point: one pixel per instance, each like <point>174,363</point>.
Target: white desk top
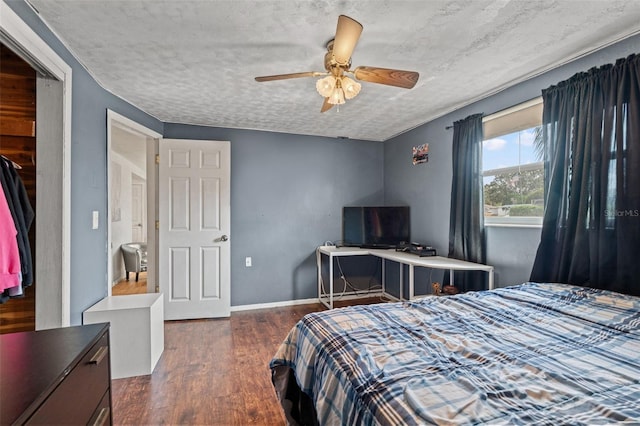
<point>343,251</point>
<point>438,262</point>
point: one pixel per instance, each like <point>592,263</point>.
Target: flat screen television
<point>384,227</point>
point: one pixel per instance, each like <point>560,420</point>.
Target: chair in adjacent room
<point>135,258</point>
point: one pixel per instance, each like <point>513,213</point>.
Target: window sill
<point>513,225</point>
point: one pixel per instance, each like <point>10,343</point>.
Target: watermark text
<point>622,213</point>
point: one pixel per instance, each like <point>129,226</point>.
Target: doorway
<point>132,211</point>
<point>53,168</point>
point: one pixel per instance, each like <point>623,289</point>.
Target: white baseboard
<point>117,280</point>
<point>345,296</point>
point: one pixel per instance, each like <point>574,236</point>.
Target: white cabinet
<point>137,331</point>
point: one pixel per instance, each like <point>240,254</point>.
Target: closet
<point>18,144</point>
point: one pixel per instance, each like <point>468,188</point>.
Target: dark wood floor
<point>212,372</point>
<point>19,314</point>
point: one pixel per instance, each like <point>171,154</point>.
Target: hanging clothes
<point>10,255</point>
<point>22,214</point>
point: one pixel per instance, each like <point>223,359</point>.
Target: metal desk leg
<point>451,277</point>
<point>491,279</point>
<point>330,282</point>
<point>401,279</point>
<point>411,288</point>
<point>384,285</point>
<point>319,265</point>
<point>322,294</point>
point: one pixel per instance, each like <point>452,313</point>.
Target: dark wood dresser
<point>58,376</point>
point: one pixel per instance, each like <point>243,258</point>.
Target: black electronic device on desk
<point>421,250</point>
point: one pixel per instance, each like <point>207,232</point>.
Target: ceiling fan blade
<point>398,78</point>
<point>287,76</point>
<point>326,106</point>
<point>347,35</point>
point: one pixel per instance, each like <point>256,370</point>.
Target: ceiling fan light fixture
<point>325,86</point>
<point>334,86</point>
<point>351,88</point>
<point>337,97</point>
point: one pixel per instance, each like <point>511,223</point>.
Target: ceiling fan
<point>336,86</point>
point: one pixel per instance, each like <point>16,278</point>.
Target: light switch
<point>247,262</point>
<point>96,218</point>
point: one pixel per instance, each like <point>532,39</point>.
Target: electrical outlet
<point>247,262</point>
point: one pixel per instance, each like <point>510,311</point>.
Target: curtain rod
<point>484,118</point>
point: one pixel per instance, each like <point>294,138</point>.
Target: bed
<point>533,353</point>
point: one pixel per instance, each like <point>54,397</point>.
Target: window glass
<point>513,177</point>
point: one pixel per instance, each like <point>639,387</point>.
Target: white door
<point>194,251</point>
<point>137,212</point>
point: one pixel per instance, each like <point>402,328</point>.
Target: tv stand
<point>411,260</point>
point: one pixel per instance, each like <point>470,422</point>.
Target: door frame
<point>118,120</point>
<point>56,289</point>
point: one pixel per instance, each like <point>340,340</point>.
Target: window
<point>513,170</point>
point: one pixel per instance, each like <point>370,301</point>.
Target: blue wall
<point>427,187</point>
<point>287,191</point>
<point>287,194</point>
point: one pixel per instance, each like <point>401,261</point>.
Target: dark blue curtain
<point>466,226</point>
<point>591,227</point>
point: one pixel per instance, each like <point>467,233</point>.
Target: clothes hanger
<point>13,163</point>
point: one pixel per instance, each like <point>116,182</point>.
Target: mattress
<point>534,353</point>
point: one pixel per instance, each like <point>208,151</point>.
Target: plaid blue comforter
<point>533,353</point>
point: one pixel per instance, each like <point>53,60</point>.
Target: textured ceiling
<point>194,62</point>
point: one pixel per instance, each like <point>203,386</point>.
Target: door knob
<point>223,238</point>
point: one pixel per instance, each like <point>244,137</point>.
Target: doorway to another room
<point>132,212</point>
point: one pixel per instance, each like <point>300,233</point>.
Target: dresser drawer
<point>102,415</point>
<point>77,397</point>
